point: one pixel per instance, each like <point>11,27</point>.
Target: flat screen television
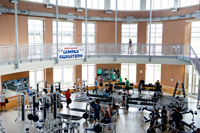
<point>108,74</point>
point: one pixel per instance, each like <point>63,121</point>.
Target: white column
<point>85,30</point>
<point>57,30</point>
<point>116,31</point>
<point>16,35</point>
<point>150,28</point>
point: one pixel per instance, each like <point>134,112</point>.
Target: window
<point>93,4</point>
<point>156,37</point>
<point>128,70</point>
<point>63,2</point>
<point>191,80</point>
<point>64,75</point>
<point>153,73</point>
<point>129,31</point>
<point>35,31</point>
<point>39,1</point>
<point>125,4</point>
<point>88,73</point>
<point>35,77</point>
<point>195,37</point>
<point>65,32</point>
<point>183,3</point>
<point>90,32</point>
<point>159,4</point>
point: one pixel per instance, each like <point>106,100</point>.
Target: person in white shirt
<point>2,101</point>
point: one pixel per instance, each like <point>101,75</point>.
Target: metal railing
<point>46,51</point>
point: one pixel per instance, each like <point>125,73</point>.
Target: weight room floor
<point>127,122</point>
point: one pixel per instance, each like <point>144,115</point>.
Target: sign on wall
<point>71,52</point>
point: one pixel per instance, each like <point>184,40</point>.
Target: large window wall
<point>64,2</point>
<point>35,31</point>
<point>91,31</point>
<point>191,80</point>
<point>129,31</point>
<point>88,73</point>
<point>153,73</point>
<point>125,5</point>
<point>159,4</point>
<point>64,75</point>
<point>65,32</point>
<point>156,37</point>
<point>195,36</point>
<point>128,70</point>
<point>36,76</point>
<point>93,4</point>
<point>183,3</point>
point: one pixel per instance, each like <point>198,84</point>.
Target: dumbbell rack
<point>148,102</point>
<point>183,89</point>
<point>102,98</point>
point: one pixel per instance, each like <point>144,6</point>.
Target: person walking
<point>130,46</point>
<point>68,94</point>
<point>95,85</point>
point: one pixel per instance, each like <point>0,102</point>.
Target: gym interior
<point>113,66</point>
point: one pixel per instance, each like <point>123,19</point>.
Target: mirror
<point>11,87</point>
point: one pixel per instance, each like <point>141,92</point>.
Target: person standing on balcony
<point>130,46</point>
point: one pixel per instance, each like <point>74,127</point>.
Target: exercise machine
<point>183,89</point>
<point>81,91</point>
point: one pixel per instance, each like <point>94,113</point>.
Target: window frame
<point>87,69</point>
<point>62,75</point>
<point>113,2</point>
<point>129,64</point>
<point>154,69</point>
<point>95,31</point>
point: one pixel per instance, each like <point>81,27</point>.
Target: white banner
<point>71,52</point>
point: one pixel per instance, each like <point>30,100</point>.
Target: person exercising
<point>116,106</point>
<point>95,85</point>
<point>177,117</point>
<point>96,109</point>
<point>120,79</point>
<point>2,101</point>
<point>100,82</point>
<point>154,116</point>
<point>142,82</point>
<point>127,85</point>
<point>108,113</point>
<point>68,94</point>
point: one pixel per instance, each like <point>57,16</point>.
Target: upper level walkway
<point>37,56</point>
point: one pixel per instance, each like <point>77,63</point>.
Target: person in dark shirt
<point>154,116</point>
<point>96,109</point>
<point>157,86</point>
<point>110,88</point>
<point>142,82</point>
<point>177,117</point>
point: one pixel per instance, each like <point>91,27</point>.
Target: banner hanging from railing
<point>71,52</point>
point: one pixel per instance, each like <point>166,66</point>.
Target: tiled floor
<point>127,122</point>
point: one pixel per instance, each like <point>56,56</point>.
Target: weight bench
<point>39,126</point>
<point>145,120</point>
<point>88,129</point>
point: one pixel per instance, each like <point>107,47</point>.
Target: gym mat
<point>77,109</point>
<point>66,116</point>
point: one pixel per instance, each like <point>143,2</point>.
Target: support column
<point>150,29</point>
<point>116,31</point>
<point>57,30</point>
<point>16,35</point>
<point>85,30</point>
